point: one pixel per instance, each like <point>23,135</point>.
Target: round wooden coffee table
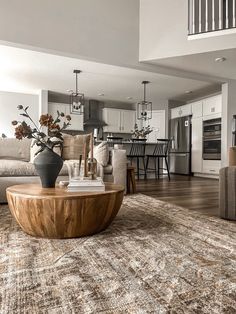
<point>56,213</point>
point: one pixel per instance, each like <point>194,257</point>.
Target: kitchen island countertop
<point>124,142</point>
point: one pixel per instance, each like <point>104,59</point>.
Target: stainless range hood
<point>93,115</point>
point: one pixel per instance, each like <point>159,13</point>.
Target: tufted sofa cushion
<point>11,148</point>
<point>19,168</point>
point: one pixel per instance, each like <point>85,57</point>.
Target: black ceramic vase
<point>48,165</point>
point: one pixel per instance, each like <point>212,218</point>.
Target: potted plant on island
<point>47,163</point>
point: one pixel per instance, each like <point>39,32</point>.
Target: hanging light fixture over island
<point>144,108</point>
<point>76,98</point>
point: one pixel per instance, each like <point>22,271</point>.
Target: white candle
<point>95,133</point>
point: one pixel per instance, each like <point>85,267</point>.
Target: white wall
<point>163,105</point>
<point>164,28</point>
<point>100,30</point>
<point>9,111</point>
<point>228,110</point>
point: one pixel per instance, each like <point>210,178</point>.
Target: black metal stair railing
<point>210,15</point>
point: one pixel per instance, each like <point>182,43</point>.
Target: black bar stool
<point>161,151</point>
<point>137,151</point>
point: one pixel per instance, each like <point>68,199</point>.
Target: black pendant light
<point>76,98</point>
<point>144,108</point>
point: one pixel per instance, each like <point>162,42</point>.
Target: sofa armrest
<point>119,165</point>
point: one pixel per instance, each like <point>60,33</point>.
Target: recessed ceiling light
<point>101,94</point>
<point>188,92</point>
<point>129,97</point>
<point>220,59</point>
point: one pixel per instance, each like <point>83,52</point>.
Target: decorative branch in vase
<point>47,163</point>
<point>24,130</point>
<point>141,133</point>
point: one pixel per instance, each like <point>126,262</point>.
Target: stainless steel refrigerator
<point>180,153</point>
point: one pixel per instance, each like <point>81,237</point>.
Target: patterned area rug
<point>154,258</point>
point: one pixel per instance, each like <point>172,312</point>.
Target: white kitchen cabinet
<point>212,105</point>
<point>181,111</point>
<point>77,121</point>
<point>197,145</point>
<point>118,120</point>
<point>196,109</point>
<point>175,113</point>
<point>112,118</point>
<point>186,110</point>
<point>205,109</point>
<point>212,116</point>
<point>128,118</point>
<point>211,166</point>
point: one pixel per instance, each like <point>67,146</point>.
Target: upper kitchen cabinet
<point>77,121</point>
<point>128,118</point>
<point>212,105</point>
<point>118,120</point>
<point>181,111</point>
<point>112,118</point>
<point>202,108</point>
<point>196,109</point>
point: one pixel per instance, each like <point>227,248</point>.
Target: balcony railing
<point>210,15</point>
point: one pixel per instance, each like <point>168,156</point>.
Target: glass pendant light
<point>76,98</point>
<point>144,108</point>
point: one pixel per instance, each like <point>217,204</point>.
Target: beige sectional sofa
<point>16,168</point>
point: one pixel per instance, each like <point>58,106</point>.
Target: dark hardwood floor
<point>189,192</point>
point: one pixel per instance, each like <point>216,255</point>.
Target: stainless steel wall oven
<point>212,139</point>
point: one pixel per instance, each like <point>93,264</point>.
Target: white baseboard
<point>206,175</point>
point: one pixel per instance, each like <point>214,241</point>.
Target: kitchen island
<point>126,145</point>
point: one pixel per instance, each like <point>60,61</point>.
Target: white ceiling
<point>29,71</point>
<point>204,63</point>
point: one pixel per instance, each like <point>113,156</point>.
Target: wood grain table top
<point>36,191</point>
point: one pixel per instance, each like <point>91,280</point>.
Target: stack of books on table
<point>86,185</point>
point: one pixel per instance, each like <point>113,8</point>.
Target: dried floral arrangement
<point>142,133</point>
<point>54,136</point>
